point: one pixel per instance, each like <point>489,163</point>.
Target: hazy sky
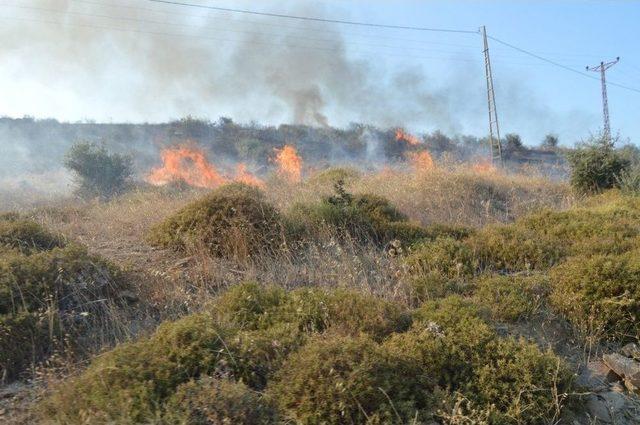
<point>136,60</point>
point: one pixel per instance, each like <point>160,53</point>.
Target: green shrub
<point>520,382</point>
<point>233,221</point>
<point>345,380</point>
<point>252,306</point>
<point>512,381</point>
<point>439,268</point>
<point>245,335</point>
<point>514,248</point>
<point>600,293</point>
<point>347,312</point>
<point>131,382</point>
<point>447,338</point>
<point>445,256</point>
<point>257,354</point>
<point>629,181</point>
<point>48,292</point>
<point>618,219</point>
<point>511,298</point>
<point>210,401</point>
<point>27,236</point>
<point>596,166</point>
<point>66,278</point>
<point>365,218</point>
<point>436,230</point>
<point>99,172</point>
<point>25,337</point>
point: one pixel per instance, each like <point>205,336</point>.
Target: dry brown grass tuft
<point>455,195</point>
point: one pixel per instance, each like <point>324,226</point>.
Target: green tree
<point>596,165</point>
<point>550,142</point>
<point>98,172</point>
<point>513,142</point>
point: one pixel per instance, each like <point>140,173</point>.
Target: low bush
<point>513,382</point>
<point>48,292</point>
<point>234,221</point>
<point>258,354</point>
<point>65,278</point>
<point>27,236</point>
<point>131,382</point>
<point>245,336</point>
<point>252,306</point>
<point>445,256</point>
<point>208,401</point>
<point>511,298</point>
<point>342,380</point>
<point>365,218</point>
<point>25,337</point>
<point>600,293</point>
<point>629,181</point>
<point>438,268</point>
<point>512,248</point>
<point>519,384</point>
<point>607,224</point>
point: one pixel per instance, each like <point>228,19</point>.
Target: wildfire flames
<point>190,164</point>
<point>484,167</point>
<point>421,161</point>
<point>409,138</point>
<point>244,176</point>
<point>289,163</point>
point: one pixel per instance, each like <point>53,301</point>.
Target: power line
<point>330,50</point>
<point>328,44</point>
<point>314,19</point>
<point>369,24</point>
<point>526,52</point>
<point>278,25</point>
<point>233,30</point>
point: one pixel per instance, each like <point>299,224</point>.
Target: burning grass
<point>189,164</point>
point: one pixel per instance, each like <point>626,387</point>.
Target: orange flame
<point>484,167</point>
<point>190,164</point>
<point>244,176</point>
<point>421,161</point>
<point>187,164</point>
<point>289,163</point>
<point>402,135</point>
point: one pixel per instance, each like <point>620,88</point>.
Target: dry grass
<point>172,284</point>
<point>456,195</point>
<point>169,285</point>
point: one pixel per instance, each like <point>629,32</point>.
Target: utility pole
<point>605,103</point>
<point>494,127</point>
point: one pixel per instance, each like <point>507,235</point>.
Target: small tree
<point>99,173</point>
<point>550,142</point>
<point>596,166</point>
<point>513,142</point>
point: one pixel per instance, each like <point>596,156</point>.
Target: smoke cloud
<point>156,62</point>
